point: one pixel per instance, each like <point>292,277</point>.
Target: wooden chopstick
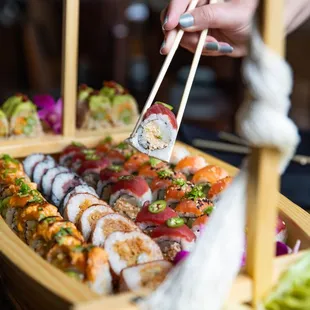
<point>239,149</point>
<point>163,71</point>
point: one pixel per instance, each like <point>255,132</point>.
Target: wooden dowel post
<point>264,179</point>
<point>70,65</point>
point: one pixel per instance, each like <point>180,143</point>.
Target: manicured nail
<point>165,22</point>
<point>186,20</point>
<point>226,49</point>
<point>212,46</point>
<point>162,46</point>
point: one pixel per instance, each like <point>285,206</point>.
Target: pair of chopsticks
<point>166,65</point>
<point>239,146</point>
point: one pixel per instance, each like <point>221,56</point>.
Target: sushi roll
<point>98,115</point>
<point>10,104</point>
<point>163,180</point>
<point>153,215</point>
<point>189,165</point>
<point>90,217</point>
<point>178,153</point>
<point>82,103</point>
<point>79,157</point>
<point>135,162</point>
<point>173,236</point>
<point>104,145</point>
<point>129,249</point>
<point>77,204</point>
<point>10,170</point>
<point>109,224</point>
<point>177,191</point>
<point>218,187</point>
<point>41,168</point>
<point>62,184</point>
<point>31,161</point>
<point>112,89</point>
<point>120,153</point>
<point>144,276</point>
<point>129,194</point>
<point>84,188</point>
<point>48,178</point>
<point>198,225</point>
<point>157,132</point>
<point>68,153</point>
<point>150,169</point>
<point>209,175</point>
<point>109,176</point>
<point>4,126</point>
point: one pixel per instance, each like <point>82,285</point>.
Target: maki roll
<point>144,276</point>
<point>104,145</point>
<point>209,175</point>
<point>135,162</point>
<point>120,153</point>
<point>198,225</point>
<point>109,224</point>
<point>77,204</point>
<point>150,169</point>
<point>31,161</point>
<point>190,165</point>
<point>177,191</point>
<point>129,249</point>
<point>218,187</point>
<point>129,194</point>
<point>111,89</point>
<point>91,216</point>
<point>79,157</point>
<point>173,236</point>
<point>41,168</point>
<point>4,126</point>
<point>153,215</point>
<point>10,170</point>
<point>178,153</point>
<point>48,178</point>
<point>157,132</point>
<point>82,103</point>
<point>109,176</point>
<point>68,153</point>
<point>62,184</point>
<point>98,115</point>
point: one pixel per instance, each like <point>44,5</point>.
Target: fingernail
<point>165,22</point>
<point>162,46</point>
<point>212,46</point>
<point>226,49</point>
<point>186,20</point>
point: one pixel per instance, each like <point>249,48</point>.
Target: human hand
<point>229,25</point>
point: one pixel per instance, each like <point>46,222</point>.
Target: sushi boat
<point>131,213</point>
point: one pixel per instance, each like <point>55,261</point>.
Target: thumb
<point>228,15</point>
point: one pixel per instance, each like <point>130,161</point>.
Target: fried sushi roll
<point>144,276</point>
<point>41,168</point>
<point>129,194</point>
<point>90,217</point>
<point>173,237</point>
<point>157,132</point>
<point>109,224</point>
<point>129,249</point>
<point>189,165</point>
<point>4,126</point>
<point>177,191</point>
<point>77,204</point>
<point>153,215</point>
<point>209,175</point>
<point>108,177</point>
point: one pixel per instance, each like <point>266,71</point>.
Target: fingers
<point>168,42</point>
<point>228,15</point>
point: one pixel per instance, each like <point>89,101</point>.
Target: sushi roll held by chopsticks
<point>156,134</point>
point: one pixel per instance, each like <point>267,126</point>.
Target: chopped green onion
<point>195,193</point>
<point>175,222</point>
<point>208,210</point>
<point>78,144</point>
<point>179,182</point>
<point>115,168</point>
<point>165,173</point>
<point>154,162</point>
<point>157,206</point>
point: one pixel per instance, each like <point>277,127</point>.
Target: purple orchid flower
<point>50,111</point>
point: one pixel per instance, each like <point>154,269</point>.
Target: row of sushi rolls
<point>110,216</point>
<point>111,106</point>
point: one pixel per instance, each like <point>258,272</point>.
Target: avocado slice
<point>99,106</point>
<point>11,103</point>
<point>111,89</point>
<point>128,112</point>
<point>4,127</point>
<point>84,92</point>
<point>27,106</point>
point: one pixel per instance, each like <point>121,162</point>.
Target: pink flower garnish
<point>180,256</point>
<point>50,111</point>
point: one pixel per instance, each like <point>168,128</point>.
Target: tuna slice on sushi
<point>90,218</point>
<point>157,132</point>
<point>129,249</point>
<point>77,204</point>
<point>173,236</point>
<point>109,224</point>
<point>144,276</point>
<point>68,153</point>
<point>153,215</point>
<point>129,194</point>
<point>41,168</point>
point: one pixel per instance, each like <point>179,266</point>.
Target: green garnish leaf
<point>125,177</point>
<point>122,146</point>
<point>165,105</point>
<point>165,173</point>
<point>92,157</point>
<point>208,210</point>
<point>88,152</point>
<point>179,182</point>
<point>154,162</point>
<point>78,144</point>
<point>115,168</point>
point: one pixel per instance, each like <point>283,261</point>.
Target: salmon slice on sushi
<point>157,132</point>
<point>199,224</point>
<point>150,169</point>
<point>77,204</point>
<point>153,215</point>
<point>109,176</point>
<point>173,236</point>
<point>189,165</point>
<point>219,187</point>
<point>91,216</point>
<point>129,194</point>
<point>144,276</point>
<point>120,153</point>
<point>109,224</point>
<point>41,168</point>
<point>129,249</point>
<point>209,175</point>
<point>134,163</point>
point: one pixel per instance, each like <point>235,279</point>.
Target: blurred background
<point>120,40</point>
